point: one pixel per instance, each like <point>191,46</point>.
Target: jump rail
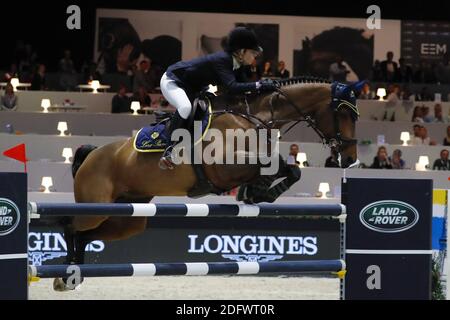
<point>189,269</point>
<point>36,210</point>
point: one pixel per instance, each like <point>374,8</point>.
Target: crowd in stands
<point>144,79</point>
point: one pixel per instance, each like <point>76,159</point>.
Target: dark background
<point>43,23</point>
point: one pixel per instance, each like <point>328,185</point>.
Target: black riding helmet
<point>242,38</point>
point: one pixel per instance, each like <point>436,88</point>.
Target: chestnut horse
<point>118,173</point>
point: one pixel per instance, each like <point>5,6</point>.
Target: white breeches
<point>176,96</point>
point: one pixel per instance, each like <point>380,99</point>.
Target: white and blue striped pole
<point>187,269</point>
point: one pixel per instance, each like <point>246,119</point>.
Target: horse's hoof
<point>60,285</point>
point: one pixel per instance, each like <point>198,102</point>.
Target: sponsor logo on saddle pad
<point>253,248</point>
<point>9,216</point>
<point>389,216</point>
<point>43,246</point>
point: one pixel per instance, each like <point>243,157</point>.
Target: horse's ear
<point>357,86</point>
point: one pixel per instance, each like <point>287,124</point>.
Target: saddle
<point>154,138</point>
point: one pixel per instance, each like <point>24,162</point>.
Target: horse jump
<point>378,258</point>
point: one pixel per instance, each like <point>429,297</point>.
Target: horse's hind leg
<point>75,225</point>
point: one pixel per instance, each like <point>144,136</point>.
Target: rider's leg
<point>178,98</point>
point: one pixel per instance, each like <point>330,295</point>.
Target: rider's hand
<point>267,85</point>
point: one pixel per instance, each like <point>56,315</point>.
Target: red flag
<point>18,153</point>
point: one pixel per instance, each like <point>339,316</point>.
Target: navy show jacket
<point>215,69</point>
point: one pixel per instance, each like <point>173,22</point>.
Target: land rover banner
<point>390,224</point>
<point>13,225</point>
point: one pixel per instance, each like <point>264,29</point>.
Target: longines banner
<point>424,40</point>
<point>201,239</point>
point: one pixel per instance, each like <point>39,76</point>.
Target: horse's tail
<point>80,155</point>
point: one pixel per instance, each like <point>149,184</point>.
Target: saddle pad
<point>154,138</point>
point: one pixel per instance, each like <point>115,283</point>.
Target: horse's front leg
<point>261,190</point>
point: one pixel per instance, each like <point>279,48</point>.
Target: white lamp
<point>14,82</point>
<point>324,187</point>
<point>301,157</point>
<point>423,163</point>
<point>135,106</point>
<point>47,182</point>
<point>45,104</point>
<point>67,153</point>
<point>405,137</point>
<point>62,127</point>
<point>381,92</point>
<point>95,84</point>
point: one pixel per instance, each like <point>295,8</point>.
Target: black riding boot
<point>177,122</point>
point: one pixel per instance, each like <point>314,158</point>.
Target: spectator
<point>389,68</point>
<point>447,138</point>
<point>9,100</point>
<point>142,96</point>
<point>68,78</point>
<point>442,163</point>
<point>404,71</point>
<point>66,64</point>
<point>424,74</point>
<point>366,93</point>
<point>417,138</point>
<point>145,77</point>
<point>438,116</point>
<point>397,162</point>
<point>405,94</point>
<point>338,70</point>
<point>417,115</point>
<point>121,102</point>
<point>394,93</point>
<point>39,79</point>
<point>376,71</point>
<point>381,161</point>
<point>426,114</point>
<point>12,73</point>
<point>253,73</point>
<point>332,161</point>
<point>422,138</point>
<point>90,72</point>
<point>292,157</point>
<point>282,72</point>
<point>424,95</point>
<point>27,63</point>
<point>267,70</point>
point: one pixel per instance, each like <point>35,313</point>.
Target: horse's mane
<point>302,79</point>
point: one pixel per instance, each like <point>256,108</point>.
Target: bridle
<point>336,142</point>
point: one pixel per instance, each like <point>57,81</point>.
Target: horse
<point>118,173</point>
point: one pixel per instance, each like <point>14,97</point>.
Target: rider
<point>186,78</point>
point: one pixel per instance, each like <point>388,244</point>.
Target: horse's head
<point>337,121</point>
<point>330,109</point>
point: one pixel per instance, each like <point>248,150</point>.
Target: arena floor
<point>196,288</point>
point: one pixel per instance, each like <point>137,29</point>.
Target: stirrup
<point>165,162</point>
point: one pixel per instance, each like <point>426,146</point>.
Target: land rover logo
<point>9,216</point>
<point>389,216</point>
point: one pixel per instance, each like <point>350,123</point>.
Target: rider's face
<point>248,56</point>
